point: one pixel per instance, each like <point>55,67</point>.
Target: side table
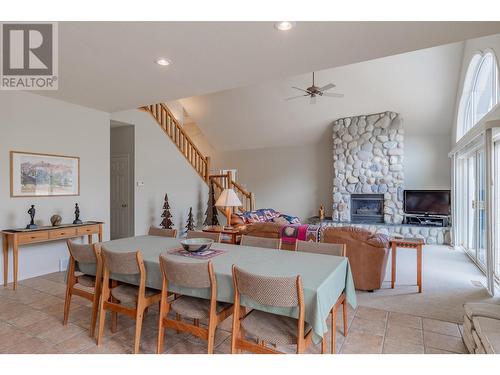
<point>411,243</point>
<point>233,233</point>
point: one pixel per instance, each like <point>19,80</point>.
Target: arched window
<point>480,92</point>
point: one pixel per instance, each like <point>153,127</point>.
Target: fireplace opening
<point>367,208</point>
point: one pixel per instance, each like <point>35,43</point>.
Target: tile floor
<point>31,322</point>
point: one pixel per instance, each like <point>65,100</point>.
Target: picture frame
<point>43,175</point>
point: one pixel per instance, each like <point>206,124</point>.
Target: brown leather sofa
<point>367,254</point>
<point>267,230</point>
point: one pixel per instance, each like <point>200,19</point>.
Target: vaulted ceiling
<point>420,85</point>
<point>111,65</point>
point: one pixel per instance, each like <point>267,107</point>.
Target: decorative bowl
<point>196,244</point>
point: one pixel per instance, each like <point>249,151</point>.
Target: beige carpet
<point>449,280</point>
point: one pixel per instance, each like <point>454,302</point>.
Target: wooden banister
<point>193,155</point>
<point>181,139</point>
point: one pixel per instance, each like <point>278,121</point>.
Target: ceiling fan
<point>315,91</point>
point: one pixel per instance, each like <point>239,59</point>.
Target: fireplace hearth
<point>367,208</point>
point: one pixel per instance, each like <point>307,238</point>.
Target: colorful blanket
<point>304,232</point>
<point>265,215</point>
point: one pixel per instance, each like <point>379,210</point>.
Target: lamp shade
<point>228,198</point>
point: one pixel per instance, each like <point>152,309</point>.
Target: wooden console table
<point>16,237</point>
<point>412,243</point>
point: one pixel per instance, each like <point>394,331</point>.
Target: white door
<point>120,197</point>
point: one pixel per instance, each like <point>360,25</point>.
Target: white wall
<point>472,47</point>
<point>162,169</point>
<point>426,162</point>
<point>295,180</point>
<point>33,123</point>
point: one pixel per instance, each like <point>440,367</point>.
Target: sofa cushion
<point>487,310</point>
<point>469,341</point>
<point>488,331</point>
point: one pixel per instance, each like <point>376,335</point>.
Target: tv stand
<point>427,220</point>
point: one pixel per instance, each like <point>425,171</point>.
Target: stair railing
<point>177,134</point>
<point>193,155</point>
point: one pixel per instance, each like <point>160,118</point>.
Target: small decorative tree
<point>211,218</point>
<point>190,221</point>
<point>166,223</point>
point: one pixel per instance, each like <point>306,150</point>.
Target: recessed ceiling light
<point>284,25</point>
<point>163,61</point>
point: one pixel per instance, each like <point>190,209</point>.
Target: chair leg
<point>178,317</point>
<point>323,345</point>
<point>211,337</point>
<point>67,303</point>
<point>95,308</point>
<point>138,327</point>
<point>344,316</point>
<point>114,321</point>
<point>334,330</point>
<point>102,321</point>
<point>161,337</point>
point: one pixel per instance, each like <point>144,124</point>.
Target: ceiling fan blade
<point>296,97</point>
<point>327,87</point>
<point>297,88</point>
<point>333,95</point>
<point>313,100</point>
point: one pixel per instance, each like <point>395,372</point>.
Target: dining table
<point>324,277</point>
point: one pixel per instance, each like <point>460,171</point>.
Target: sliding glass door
<point>496,215</point>
<point>471,210</point>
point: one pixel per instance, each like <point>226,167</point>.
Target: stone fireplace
<point>368,153</point>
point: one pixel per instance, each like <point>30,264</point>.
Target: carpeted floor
<point>449,280</point>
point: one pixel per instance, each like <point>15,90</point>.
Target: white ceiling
<point>110,65</point>
<point>420,85</point>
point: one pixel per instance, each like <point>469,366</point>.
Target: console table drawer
<point>62,233</point>
<point>33,237</point>
<point>89,229</point>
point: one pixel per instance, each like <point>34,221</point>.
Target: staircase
<point>193,155</point>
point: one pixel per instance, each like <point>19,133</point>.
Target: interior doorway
<point>122,179</point>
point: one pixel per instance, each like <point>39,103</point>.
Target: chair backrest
<point>125,263</point>
<point>184,274</point>
<point>155,231</point>
<point>337,249</point>
<point>199,234</point>
<point>82,253</point>
<point>271,291</point>
<point>268,243</point>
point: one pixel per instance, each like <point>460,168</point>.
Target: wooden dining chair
<point>127,299</point>
<point>335,250</point>
<point>155,231</point>
<point>80,284</point>
<point>279,292</point>
<point>196,276</point>
<point>199,234</point>
<point>268,243</point>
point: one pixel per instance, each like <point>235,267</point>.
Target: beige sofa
<point>482,328</point>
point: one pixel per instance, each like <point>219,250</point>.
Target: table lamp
<point>228,199</point>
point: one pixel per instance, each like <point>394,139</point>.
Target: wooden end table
<point>410,243</point>
<point>234,233</point>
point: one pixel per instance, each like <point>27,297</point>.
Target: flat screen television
<point>427,202</point>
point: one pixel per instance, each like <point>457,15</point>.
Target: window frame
<point>466,116</point>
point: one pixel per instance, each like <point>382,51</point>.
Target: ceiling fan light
<point>284,25</point>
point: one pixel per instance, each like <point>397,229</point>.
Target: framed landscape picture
<point>39,175</point>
